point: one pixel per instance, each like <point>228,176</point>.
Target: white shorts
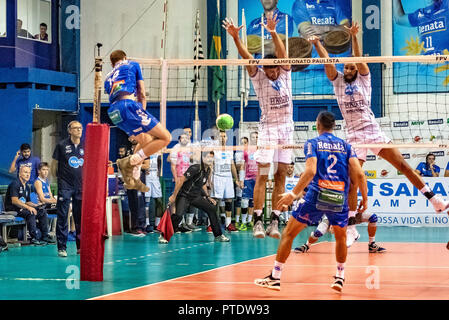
<point>367,136</point>
<point>223,188</point>
<point>155,189</point>
<point>274,136</point>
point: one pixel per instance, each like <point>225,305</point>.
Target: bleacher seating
<point>9,219</point>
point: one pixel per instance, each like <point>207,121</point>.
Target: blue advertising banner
<point>420,27</point>
<point>302,18</point>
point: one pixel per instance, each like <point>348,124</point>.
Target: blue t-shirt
<point>123,79</point>
<point>425,170</point>
<point>33,163</point>
<point>70,165</point>
<point>432,23</point>
<point>327,12</point>
<point>332,171</point>
<point>255,28</point>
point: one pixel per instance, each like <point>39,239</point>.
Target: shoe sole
<point>267,287</point>
<point>275,236</point>
<point>383,251</point>
<point>337,287</point>
<point>259,235</point>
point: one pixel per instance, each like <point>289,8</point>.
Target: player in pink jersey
<point>273,86</point>
<point>353,91</point>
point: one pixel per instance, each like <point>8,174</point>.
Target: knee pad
<point>317,234</point>
<point>238,202</point>
<point>228,206</point>
<point>221,203</point>
<point>245,203</point>
<point>373,218</point>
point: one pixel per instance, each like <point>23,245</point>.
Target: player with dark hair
<point>331,165</point>
<point>353,91</point>
<point>190,191</point>
<point>123,84</point>
<point>273,86</point>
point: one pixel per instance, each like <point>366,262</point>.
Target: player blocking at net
<point>353,92</point>
<point>273,86</point>
<point>331,170</point>
<point>124,84</point>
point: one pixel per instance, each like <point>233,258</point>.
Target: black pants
<point>182,203</point>
<point>65,197</point>
<point>136,201</point>
<point>42,222</point>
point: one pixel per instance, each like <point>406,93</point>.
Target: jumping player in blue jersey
<point>124,84</point>
<point>316,17</point>
<point>431,22</point>
<point>331,169</point>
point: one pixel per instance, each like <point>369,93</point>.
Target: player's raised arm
<point>233,31</point>
<point>280,51</point>
<point>354,30</point>
<point>399,15</point>
<point>330,69</point>
<point>358,179</point>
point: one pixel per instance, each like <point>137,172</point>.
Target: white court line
<point>35,279</point>
<point>348,267</point>
<point>188,275</point>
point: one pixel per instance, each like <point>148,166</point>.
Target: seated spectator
<point>42,186</point>
<point>23,158</point>
<point>18,199</point>
<point>43,36</point>
<point>428,168</point>
<point>22,32</point>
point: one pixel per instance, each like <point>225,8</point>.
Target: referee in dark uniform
<point>67,166</point>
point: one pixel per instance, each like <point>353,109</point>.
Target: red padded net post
<point>94,201</point>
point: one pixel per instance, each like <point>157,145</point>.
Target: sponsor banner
<point>413,220</point>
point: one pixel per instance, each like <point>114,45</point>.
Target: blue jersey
<point>326,12</point>
<point>123,79</point>
<point>255,27</point>
<point>425,171</point>
<point>45,188</point>
<point>432,23</point>
<point>332,172</point>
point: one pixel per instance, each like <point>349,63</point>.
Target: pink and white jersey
<point>182,162</point>
<point>251,165</point>
<point>354,100</point>
<point>275,97</point>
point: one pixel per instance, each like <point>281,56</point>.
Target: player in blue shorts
<point>331,166</point>
<point>431,23</point>
<point>125,85</point>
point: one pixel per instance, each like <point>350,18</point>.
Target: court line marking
<point>188,275</point>
<point>349,266</point>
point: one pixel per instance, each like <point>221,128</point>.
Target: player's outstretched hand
<point>353,29</point>
<point>313,39</point>
<point>231,28</point>
<point>286,200</point>
<point>271,22</point>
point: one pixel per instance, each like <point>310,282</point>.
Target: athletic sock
<point>258,212</point>
<point>371,239</point>
<point>427,192</point>
<point>277,270</point>
<point>340,270</point>
<point>237,218</point>
<point>228,221</point>
<point>249,218</point>
<point>277,212</point>
<point>156,222</point>
<point>244,217</point>
<point>190,218</point>
<point>137,158</point>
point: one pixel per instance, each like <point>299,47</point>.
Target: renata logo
<point>301,128</point>
<point>370,158</point>
<point>434,26</point>
<point>400,124</point>
<point>435,121</point>
<point>406,156</point>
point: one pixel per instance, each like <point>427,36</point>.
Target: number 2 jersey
<point>123,79</point>
<point>332,170</point>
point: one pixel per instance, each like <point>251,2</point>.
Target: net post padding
<point>93,212</point>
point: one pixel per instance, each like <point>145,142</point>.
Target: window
<point>34,19</point>
<point>2,18</point>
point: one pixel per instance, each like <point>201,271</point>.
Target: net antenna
<point>98,84</point>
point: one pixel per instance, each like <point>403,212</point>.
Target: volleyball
<point>225,122</point>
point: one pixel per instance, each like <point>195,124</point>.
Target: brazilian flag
<point>218,80</point>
